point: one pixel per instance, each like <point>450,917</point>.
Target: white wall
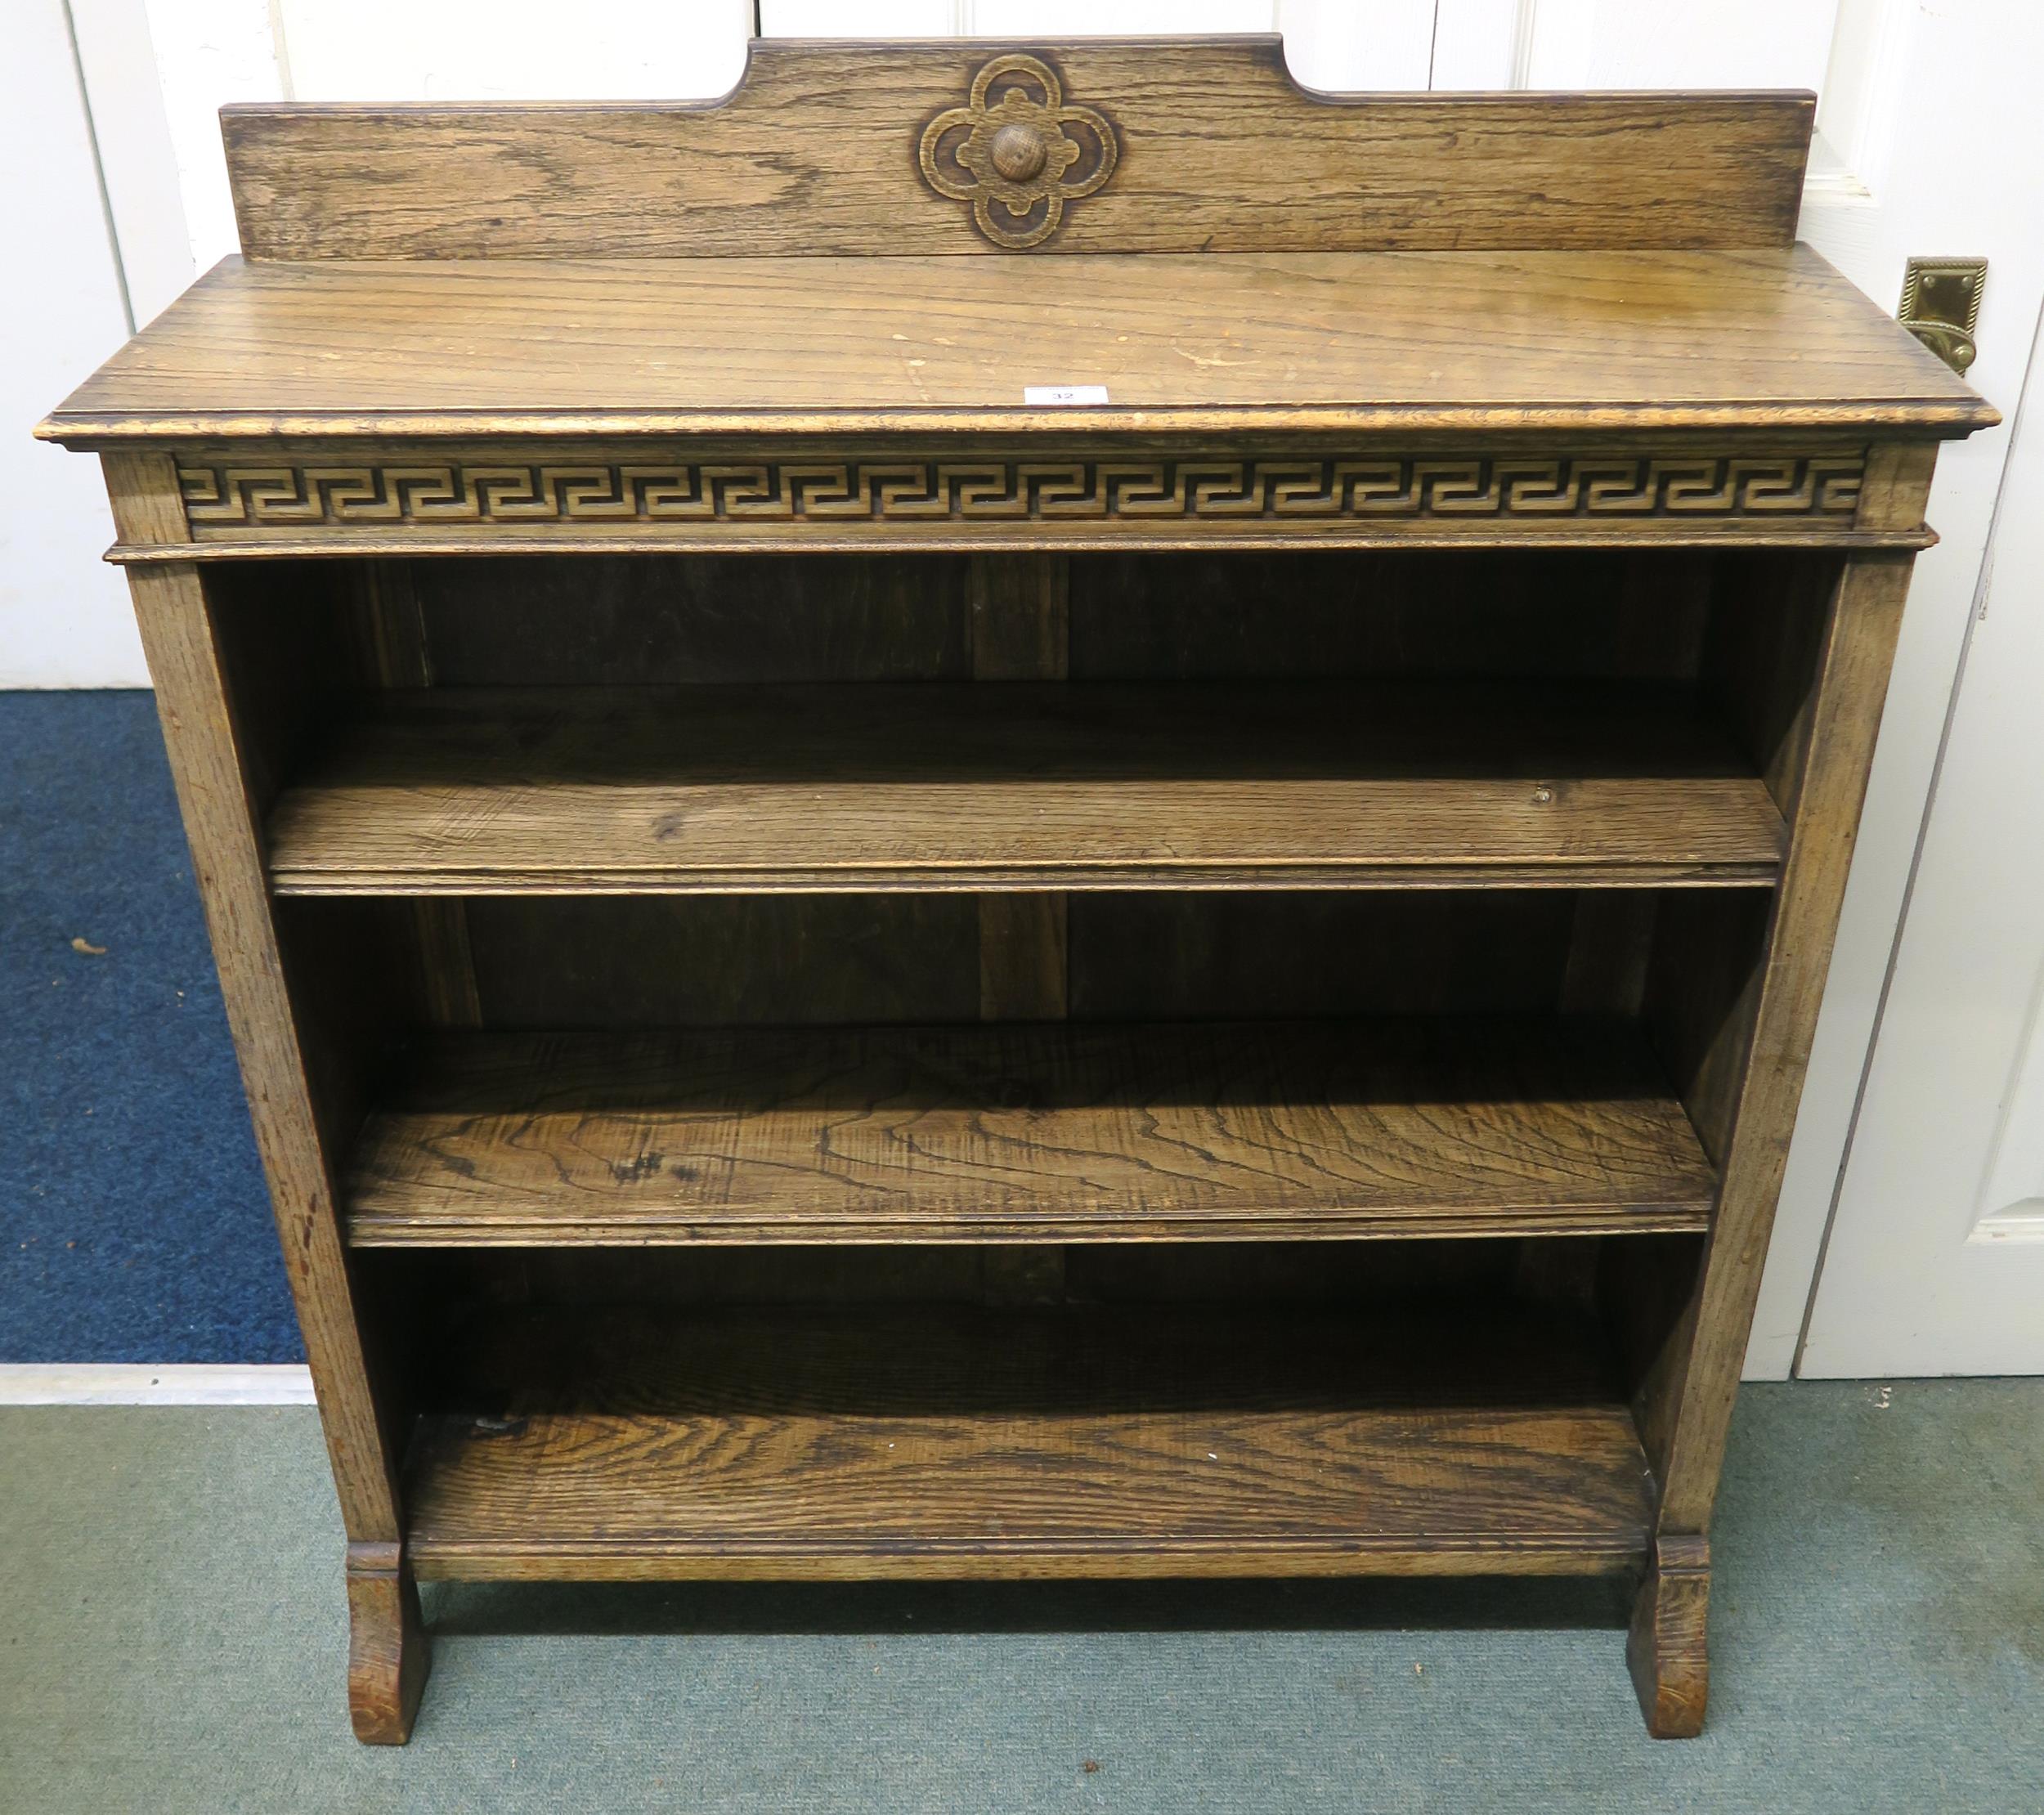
<point>168,66</point>
<point>64,620</point>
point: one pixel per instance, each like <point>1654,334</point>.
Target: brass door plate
<point>1941,306</point>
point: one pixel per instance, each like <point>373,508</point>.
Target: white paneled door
<point>1339,44</point>
<point>1897,1186</point>
<point>1934,1262</point>
<point>1911,1234</point>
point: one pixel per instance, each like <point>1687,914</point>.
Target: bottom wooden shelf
<point>933,1442</point>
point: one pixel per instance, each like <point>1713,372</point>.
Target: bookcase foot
<point>1671,1671</point>
<point>387,1658</point>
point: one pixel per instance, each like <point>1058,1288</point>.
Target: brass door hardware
<point>1941,306</point>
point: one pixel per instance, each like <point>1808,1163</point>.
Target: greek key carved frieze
<point>976,490</point>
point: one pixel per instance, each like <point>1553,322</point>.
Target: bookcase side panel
<point>209,767</point>
<point>1696,1395</point>
<point>1834,749</point>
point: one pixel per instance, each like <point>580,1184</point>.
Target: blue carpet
<point>135,1225</point>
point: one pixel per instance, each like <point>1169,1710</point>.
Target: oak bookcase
<point>1022,813</point>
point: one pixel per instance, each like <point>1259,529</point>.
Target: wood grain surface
<point>1216,1131</point>
<point>1252,343</point>
<point>634,621</point>
<point>396,653</point>
<point>928,1443</point>
<point>650,963</point>
<point>1018,612</point>
<point>212,767</point>
<point>388,1659</point>
<point>816,152</point>
<point>1026,784</point>
<point>1865,618</point>
<point>1667,1647</point>
<point>1485,614</point>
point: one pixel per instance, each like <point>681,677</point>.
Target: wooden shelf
<point>1474,341</point>
<point>1025,785</point>
<point>804,1444</point>
<point>1071,1132</point>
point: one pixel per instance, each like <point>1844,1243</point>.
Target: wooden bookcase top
<point>1175,222</point>
<point>1405,342</point>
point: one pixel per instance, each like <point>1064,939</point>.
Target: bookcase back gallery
<point>1022,813</point>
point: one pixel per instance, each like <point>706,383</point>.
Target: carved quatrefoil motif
<point>1010,151</point>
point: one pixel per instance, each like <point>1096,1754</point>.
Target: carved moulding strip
<point>225,498</point>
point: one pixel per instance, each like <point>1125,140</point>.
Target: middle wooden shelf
<point>1449,1125</point>
<point>1080,785</point>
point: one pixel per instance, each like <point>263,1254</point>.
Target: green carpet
<point>171,1638</point>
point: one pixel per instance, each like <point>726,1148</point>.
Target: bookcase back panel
<point>1125,146</point>
<point>651,961</point>
<point>1142,957</point>
<point>1489,613</point>
<point>1404,1276</point>
<point>676,620</point>
<point>655,960</point>
<point>627,620</point>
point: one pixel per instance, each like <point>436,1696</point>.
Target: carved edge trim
<point>1283,491</point>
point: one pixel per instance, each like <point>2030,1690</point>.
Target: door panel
<point>1932,145</point>
<point>1935,1261</point>
<point>1334,44</point>
<point>861,18</point>
<point>1656,44</point>
<point>510,49</point>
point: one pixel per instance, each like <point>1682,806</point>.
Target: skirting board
<point>58,1383</point>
